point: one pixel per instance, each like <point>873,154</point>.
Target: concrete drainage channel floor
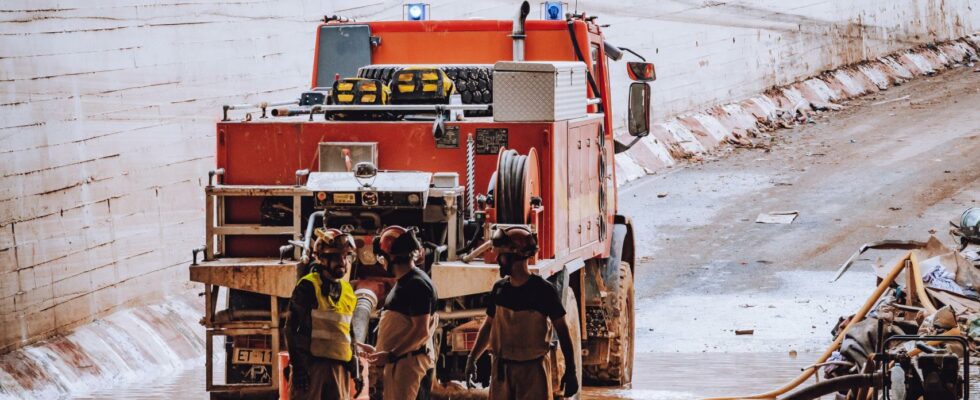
<point>870,172</point>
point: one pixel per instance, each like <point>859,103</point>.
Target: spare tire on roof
<point>473,82</point>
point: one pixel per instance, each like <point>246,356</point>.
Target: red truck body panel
<point>269,153</point>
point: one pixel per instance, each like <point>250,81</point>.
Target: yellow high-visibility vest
<point>330,337</point>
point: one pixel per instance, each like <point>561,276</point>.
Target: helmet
<point>515,240</point>
<point>395,241</point>
<point>332,241</point>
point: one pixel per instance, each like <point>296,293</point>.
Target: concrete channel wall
<point>107,112</point>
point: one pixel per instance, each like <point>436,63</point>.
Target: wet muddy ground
<point>872,171</point>
<point>869,172</point>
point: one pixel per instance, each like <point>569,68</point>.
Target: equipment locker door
<point>576,184</point>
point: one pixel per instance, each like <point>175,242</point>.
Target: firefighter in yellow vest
<point>408,320</point>
<point>318,331</point>
<point>522,309</point>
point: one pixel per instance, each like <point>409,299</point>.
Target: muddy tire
<point>575,331</point>
<point>619,370</point>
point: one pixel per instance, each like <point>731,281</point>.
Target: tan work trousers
<point>525,380</point>
<point>403,379</point>
<point>329,380</point>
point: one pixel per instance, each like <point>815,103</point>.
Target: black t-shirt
<point>536,294</point>
<point>413,295</point>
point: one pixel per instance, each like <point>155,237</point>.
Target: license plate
<point>344,198</point>
<point>251,356</point>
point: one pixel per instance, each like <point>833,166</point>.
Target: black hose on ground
<point>834,385</point>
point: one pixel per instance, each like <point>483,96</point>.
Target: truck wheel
<point>619,370</point>
<point>575,331</point>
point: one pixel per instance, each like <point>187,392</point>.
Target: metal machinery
<point>904,367</point>
<point>370,146</point>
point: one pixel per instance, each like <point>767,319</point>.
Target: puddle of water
<point>186,384</point>
<point>660,376</point>
<point>668,376</point>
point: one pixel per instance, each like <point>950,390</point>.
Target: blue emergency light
<point>416,11</point>
<point>553,11</point>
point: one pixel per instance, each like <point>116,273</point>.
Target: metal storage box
<point>538,91</point>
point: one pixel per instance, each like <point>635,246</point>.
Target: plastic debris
<point>973,328</point>
<point>777,217</point>
<point>938,277</point>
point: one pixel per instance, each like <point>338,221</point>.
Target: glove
<point>470,372</point>
<point>569,381</point>
<point>358,386</point>
<point>300,380</point>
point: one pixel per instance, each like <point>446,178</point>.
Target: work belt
<point>503,363</point>
<point>393,360</point>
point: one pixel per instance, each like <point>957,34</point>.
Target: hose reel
<point>516,184</point>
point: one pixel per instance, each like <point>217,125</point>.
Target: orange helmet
<point>396,241</point>
<point>333,241</point>
<point>515,240</point>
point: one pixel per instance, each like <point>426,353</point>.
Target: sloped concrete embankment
<point>137,343</point>
<point>691,135</point>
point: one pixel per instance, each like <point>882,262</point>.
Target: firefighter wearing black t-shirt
<point>521,310</point>
<point>408,319</point>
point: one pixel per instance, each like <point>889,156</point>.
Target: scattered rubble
<point>777,217</point>
<point>917,325</point>
<point>906,97</point>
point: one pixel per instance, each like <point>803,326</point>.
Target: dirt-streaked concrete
<point>869,172</point>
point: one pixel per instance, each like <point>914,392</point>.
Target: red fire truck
<point>457,128</point>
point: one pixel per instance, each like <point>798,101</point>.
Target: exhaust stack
<point>518,32</point>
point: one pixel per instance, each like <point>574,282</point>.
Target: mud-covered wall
<point>107,112</point>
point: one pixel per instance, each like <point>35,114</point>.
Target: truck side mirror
<point>639,109</point>
<point>641,71</point>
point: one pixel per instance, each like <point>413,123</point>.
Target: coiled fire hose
<point>862,312</point>
<point>509,196</point>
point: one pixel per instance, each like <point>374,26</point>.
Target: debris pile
<point>930,291</point>
<point>914,336</point>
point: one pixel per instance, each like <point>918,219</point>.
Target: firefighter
<point>521,310</point>
<point>318,330</point>
<point>408,320</point>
